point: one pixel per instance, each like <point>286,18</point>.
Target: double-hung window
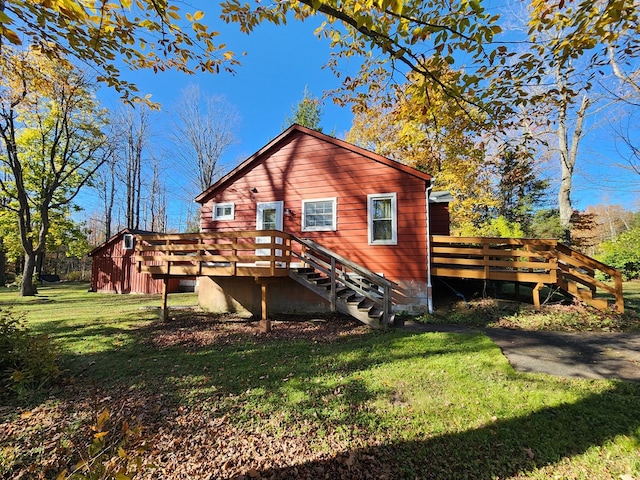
<point>319,215</point>
<point>383,219</point>
<point>223,211</point>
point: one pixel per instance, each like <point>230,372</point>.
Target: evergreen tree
<point>519,190</point>
<point>307,112</point>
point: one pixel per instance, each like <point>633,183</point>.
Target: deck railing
<point>342,273</point>
<point>534,261</point>
<point>264,253</point>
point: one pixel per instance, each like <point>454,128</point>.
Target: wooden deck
<point>530,261</point>
<point>268,253</point>
<point>265,253</point>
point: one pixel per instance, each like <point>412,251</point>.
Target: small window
<point>383,223</point>
<point>319,215</point>
<point>223,211</point>
<point>128,241</point>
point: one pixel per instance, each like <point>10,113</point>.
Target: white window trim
<point>394,218</point>
<point>223,205</point>
<point>128,241</point>
<point>279,208</point>
<point>334,219</point>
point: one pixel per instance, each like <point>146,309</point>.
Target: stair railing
<point>342,272</point>
<point>579,268</point>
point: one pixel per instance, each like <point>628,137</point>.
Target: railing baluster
<point>333,285</point>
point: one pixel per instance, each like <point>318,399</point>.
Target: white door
<point>269,216</point>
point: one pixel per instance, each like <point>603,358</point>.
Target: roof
<point>440,197</point>
<point>294,129</point>
<point>117,236</point>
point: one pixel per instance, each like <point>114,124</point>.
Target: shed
<point>113,268</point>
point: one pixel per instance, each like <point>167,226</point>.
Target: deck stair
<point>537,262</point>
<point>348,287</point>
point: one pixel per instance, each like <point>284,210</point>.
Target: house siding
<point>303,167</point>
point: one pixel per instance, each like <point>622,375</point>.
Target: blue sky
<point>282,60</point>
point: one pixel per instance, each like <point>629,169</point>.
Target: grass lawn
<point>203,396</point>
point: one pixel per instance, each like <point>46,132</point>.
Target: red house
<point>113,268</point>
<point>367,208</point>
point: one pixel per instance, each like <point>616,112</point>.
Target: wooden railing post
<point>166,253</point>
<point>333,285</point>
<point>273,251</point>
<point>618,294</point>
<point>234,254</point>
<point>485,258</point>
<point>386,300</point>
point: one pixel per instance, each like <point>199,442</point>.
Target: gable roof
<point>292,130</point>
<point>116,237</point>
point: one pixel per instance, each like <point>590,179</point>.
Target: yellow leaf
<point>62,475</point>
<point>100,435</point>
<point>198,15</point>
<point>103,417</point>
<point>26,414</point>
<point>4,18</point>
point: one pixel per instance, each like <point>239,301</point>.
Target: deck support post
<point>164,313</point>
<point>536,296</point>
<point>265,323</point>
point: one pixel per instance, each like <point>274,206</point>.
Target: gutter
<point>429,285</point>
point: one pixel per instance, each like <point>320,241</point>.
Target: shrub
<point>27,361</point>
<point>623,253</point>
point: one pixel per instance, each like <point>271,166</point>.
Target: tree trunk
<point>28,288</point>
<point>568,151</point>
<point>3,264</point>
<point>40,263</point>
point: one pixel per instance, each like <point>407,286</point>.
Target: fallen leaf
<point>253,473</point>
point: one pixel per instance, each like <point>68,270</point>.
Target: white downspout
<point>429,286</point>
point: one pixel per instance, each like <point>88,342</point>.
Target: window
<point>381,209</point>
<point>319,215</point>
<point>223,211</point>
<point>128,241</point>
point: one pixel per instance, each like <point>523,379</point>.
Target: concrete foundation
<point>243,295</point>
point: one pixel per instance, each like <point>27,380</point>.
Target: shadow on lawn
<point>499,450</point>
<point>238,367</point>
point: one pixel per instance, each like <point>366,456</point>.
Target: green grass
<point>345,402</point>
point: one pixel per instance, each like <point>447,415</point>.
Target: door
<point>269,216</point>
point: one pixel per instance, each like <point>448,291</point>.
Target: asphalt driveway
<point>578,355</point>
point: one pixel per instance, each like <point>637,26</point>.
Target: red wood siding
<point>114,271</point>
<point>440,224</point>
<point>304,167</point>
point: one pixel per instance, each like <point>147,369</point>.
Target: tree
<point>203,133</point>
<point>157,202</point>
<point>105,186</point>
<point>308,112</point>
<point>51,130</point>
<point>519,190</point>
<point>152,34</point>
<point>394,36</point>
<point>130,134</point>
<point>437,138</point>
